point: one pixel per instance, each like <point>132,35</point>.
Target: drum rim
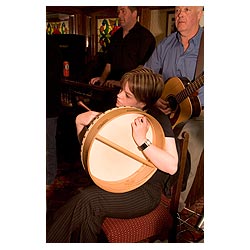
<point>144,172</point>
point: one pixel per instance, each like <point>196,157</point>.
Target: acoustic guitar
<point>182,99</point>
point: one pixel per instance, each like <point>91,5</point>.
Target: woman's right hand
<point>85,119</point>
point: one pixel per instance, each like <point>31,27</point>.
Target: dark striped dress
<point>83,215</point>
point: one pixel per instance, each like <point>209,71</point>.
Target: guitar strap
<point>198,71</point>
<point>200,59</point>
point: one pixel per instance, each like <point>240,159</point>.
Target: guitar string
<point>190,89</point>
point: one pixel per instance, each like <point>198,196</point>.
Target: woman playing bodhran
<point>83,215</point>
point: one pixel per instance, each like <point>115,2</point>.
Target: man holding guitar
<point>176,57</point>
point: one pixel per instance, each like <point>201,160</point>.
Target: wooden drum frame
<point>111,156</point>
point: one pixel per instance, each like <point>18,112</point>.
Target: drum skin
<point>110,155</point>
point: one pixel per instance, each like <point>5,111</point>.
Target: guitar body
<point>182,109</point>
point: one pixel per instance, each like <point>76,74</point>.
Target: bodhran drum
<point>110,155</point>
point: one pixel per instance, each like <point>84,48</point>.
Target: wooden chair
<point>160,223</point>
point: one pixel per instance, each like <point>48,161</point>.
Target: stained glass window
<point>106,27</point>
<point>60,27</point>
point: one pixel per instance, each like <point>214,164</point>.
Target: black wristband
<point>144,145</point>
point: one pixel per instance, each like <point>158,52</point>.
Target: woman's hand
<point>166,158</point>
<point>84,119</point>
<point>140,128</point>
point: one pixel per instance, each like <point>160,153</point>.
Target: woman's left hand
<point>140,127</point>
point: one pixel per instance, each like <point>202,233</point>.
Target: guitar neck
<point>190,89</point>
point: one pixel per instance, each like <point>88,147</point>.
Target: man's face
<point>126,17</point>
<point>187,18</point>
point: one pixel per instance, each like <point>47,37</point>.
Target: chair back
<point>161,223</point>
<point>177,187</point>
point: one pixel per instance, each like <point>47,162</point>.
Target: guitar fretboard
<point>190,89</point>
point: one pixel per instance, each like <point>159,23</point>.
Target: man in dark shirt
<point>130,46</point>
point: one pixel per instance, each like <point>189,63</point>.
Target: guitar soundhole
<point>172,102</point>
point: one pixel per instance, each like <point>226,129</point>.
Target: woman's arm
<point>164,159</point>
<point>84,119</point>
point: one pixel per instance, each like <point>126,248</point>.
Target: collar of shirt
<point>134,28</point>
<point>195,39</point>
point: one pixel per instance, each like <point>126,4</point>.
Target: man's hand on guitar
<point>163,106</point>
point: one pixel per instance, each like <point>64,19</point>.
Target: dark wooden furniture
<point>95,97</point>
